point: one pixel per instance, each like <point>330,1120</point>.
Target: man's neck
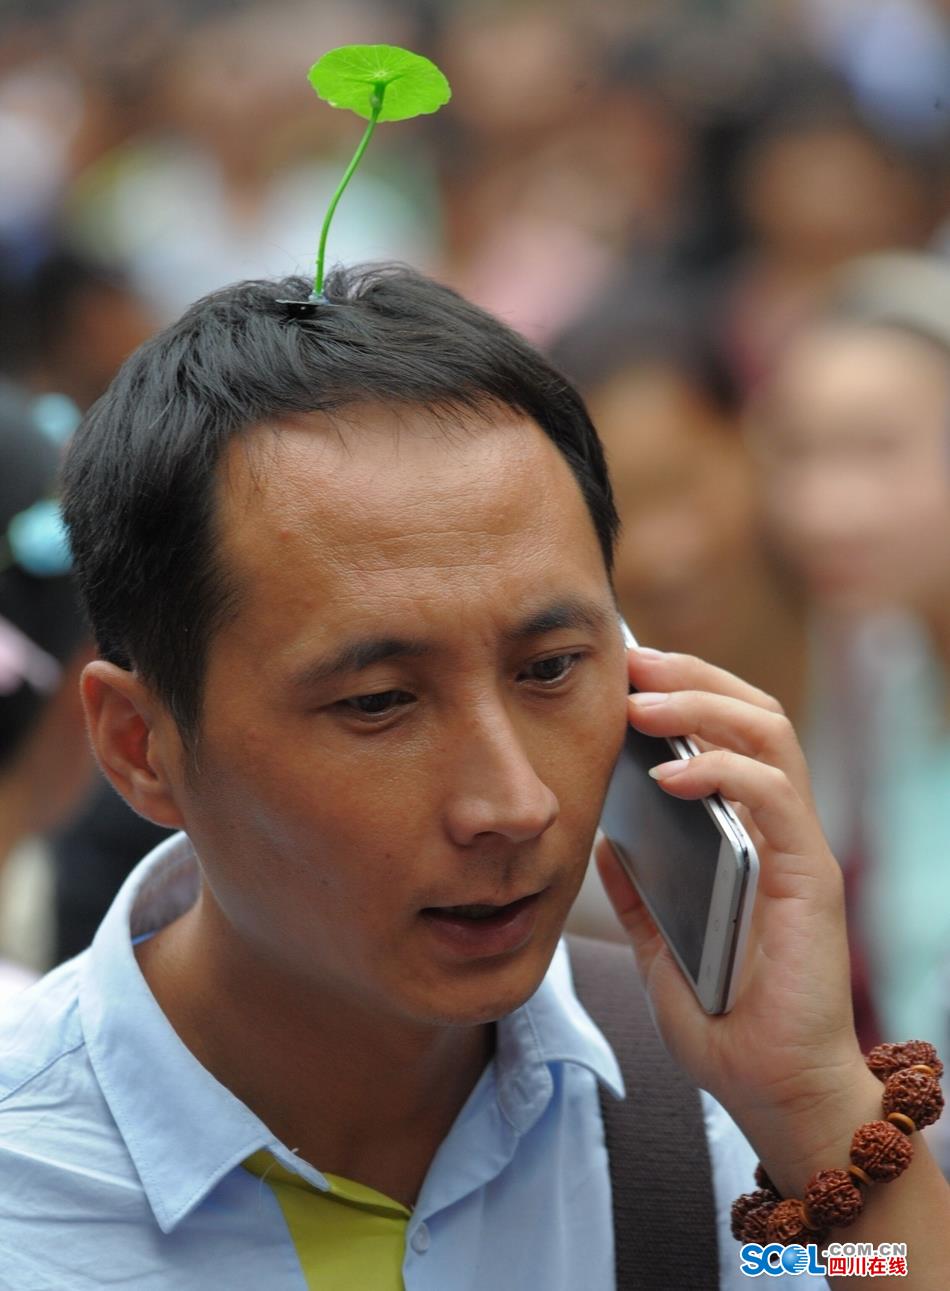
<point>352,1093</point>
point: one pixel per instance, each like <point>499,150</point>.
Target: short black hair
<point>140,476</point>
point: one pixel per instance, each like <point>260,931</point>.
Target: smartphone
<point>693,864</point>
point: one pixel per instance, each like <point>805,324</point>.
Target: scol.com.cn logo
<point>861,1259</point>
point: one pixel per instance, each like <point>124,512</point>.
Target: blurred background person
<point>817,185</point>
<point>693,570</point>
<point>45,763</point>
<point>67,321</point>
<point>852,436</point>
<point>550,177</point>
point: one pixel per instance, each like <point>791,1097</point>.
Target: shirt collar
<point>552,1027</point>
<point>183,1129</point>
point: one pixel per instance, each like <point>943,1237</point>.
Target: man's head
<point>350,580</point>
<point>141,478</point>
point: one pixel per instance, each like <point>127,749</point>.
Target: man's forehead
<point>327,541</point>
<point>376,483</point>
<point>360,437</point>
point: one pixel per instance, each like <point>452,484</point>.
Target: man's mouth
<point>476,911</point>
<point>483,928</point>
<point>473,911</point>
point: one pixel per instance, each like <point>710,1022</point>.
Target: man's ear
<point>136,743</point>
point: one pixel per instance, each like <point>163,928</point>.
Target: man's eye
<point>378,704</point>
<point>550,671</point>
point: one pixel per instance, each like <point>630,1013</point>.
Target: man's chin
<point>496,989</point>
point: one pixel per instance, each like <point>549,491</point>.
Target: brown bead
<point>786,1224</point>
<point>742,1209</point>
<point>885,1059</point>
<point>757,1223</point>
<point>902,1122</point>
<point>881,1150</point>
<point>832,1199</point>
<point>915,1094</point>
<point>763,1181</point>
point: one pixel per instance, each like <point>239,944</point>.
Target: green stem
<point>377,107</point>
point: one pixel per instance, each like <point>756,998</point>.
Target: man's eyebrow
<point>356,656</point>
<point>360,654</point>
<point>565,616</point>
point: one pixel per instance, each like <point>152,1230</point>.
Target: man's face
<point>416,707</point>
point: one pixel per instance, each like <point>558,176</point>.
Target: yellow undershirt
<point>347,1239</point>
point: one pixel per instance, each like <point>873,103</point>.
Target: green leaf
<point>350,77</point>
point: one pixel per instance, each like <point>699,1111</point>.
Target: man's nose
<point>496,790</point>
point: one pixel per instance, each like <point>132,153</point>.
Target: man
<point>349,576</point>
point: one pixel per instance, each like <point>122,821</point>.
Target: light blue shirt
<point>120,1154</point>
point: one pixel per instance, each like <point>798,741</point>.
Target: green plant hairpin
<point>378,83</point>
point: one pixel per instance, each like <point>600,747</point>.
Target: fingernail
<point>647,698</point>
<point>647,652</point>
<point>666,770</point>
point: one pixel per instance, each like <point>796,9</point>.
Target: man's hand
<point>785,1061</point>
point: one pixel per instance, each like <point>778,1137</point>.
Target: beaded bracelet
<point>880,1151</point>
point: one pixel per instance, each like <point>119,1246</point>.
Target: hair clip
<point>378,83</point>
<point>303,308</point>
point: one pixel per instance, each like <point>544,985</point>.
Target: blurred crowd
<point>728,221</point>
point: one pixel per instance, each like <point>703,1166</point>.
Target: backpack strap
<point>660,1173</point>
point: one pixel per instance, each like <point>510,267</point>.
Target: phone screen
<point>673,845</point>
